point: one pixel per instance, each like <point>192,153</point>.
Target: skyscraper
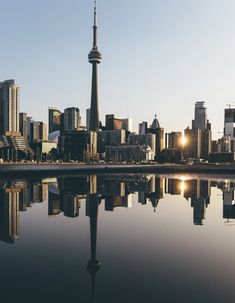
<point>229,126</point>
<point>72,119</point>
<point>38,131</point>
<point>199,138</point>
<point>94,58</point>
<point>229,122</point>
<point>23,127</point>
<point>200,116</point>
<point>156,129</point>
<point>53,119</point>
<point>9,106</point>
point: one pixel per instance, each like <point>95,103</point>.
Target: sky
<point>159,57</point>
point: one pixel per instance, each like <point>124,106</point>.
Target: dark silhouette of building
<point>94,58</point>
<point>228,200</point>
<point>199,192</point>
<point>78,145</point>
<point>173,186</point>
<point>54,208</point>
<point>23,124</point>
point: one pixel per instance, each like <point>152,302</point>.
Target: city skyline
<point>149,75</point>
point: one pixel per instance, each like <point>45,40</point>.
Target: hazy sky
<point>159,56</point>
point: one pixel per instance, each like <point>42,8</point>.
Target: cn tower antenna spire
<point>95,8</point>
<point>95,26</point>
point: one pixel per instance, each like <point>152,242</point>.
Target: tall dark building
<point>94,58</point>
<point>23,124</point>
<point>159,132</point>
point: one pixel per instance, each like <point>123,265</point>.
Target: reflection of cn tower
<point>93,265</point>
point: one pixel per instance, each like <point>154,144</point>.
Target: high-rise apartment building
<point>54,119</point>
<point>71,119</point>
<point>9,106</point>
<point>38,131</point>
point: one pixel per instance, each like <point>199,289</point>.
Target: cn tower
<point>94,58</point>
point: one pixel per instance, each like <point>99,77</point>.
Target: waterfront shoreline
<point>52,169</point>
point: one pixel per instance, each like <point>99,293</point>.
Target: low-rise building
<point>129,153</point>
<point>110,138</point>
<point>14,147</point>
<point>78,145</point>
<point>145,139</point>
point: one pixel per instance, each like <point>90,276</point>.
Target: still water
<point>117,238</point>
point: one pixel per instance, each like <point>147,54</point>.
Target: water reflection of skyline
<point>66,195</point>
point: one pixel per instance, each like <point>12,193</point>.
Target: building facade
<point>71,119</point>
<point>53,119</point>
<point>23,125</point>
<point>199,138</point>
<point>229,126</point>
<point>112,123</point>
<point>198,143</point>
<point>200,116</point>
<point>129,153</point>
<point>38,131</point>
<point>160,138</point>
<point>173,140</point>
<point>9,106</point>
<point>110,138</point>
<point>78,145</point>
<point>147,139</point>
